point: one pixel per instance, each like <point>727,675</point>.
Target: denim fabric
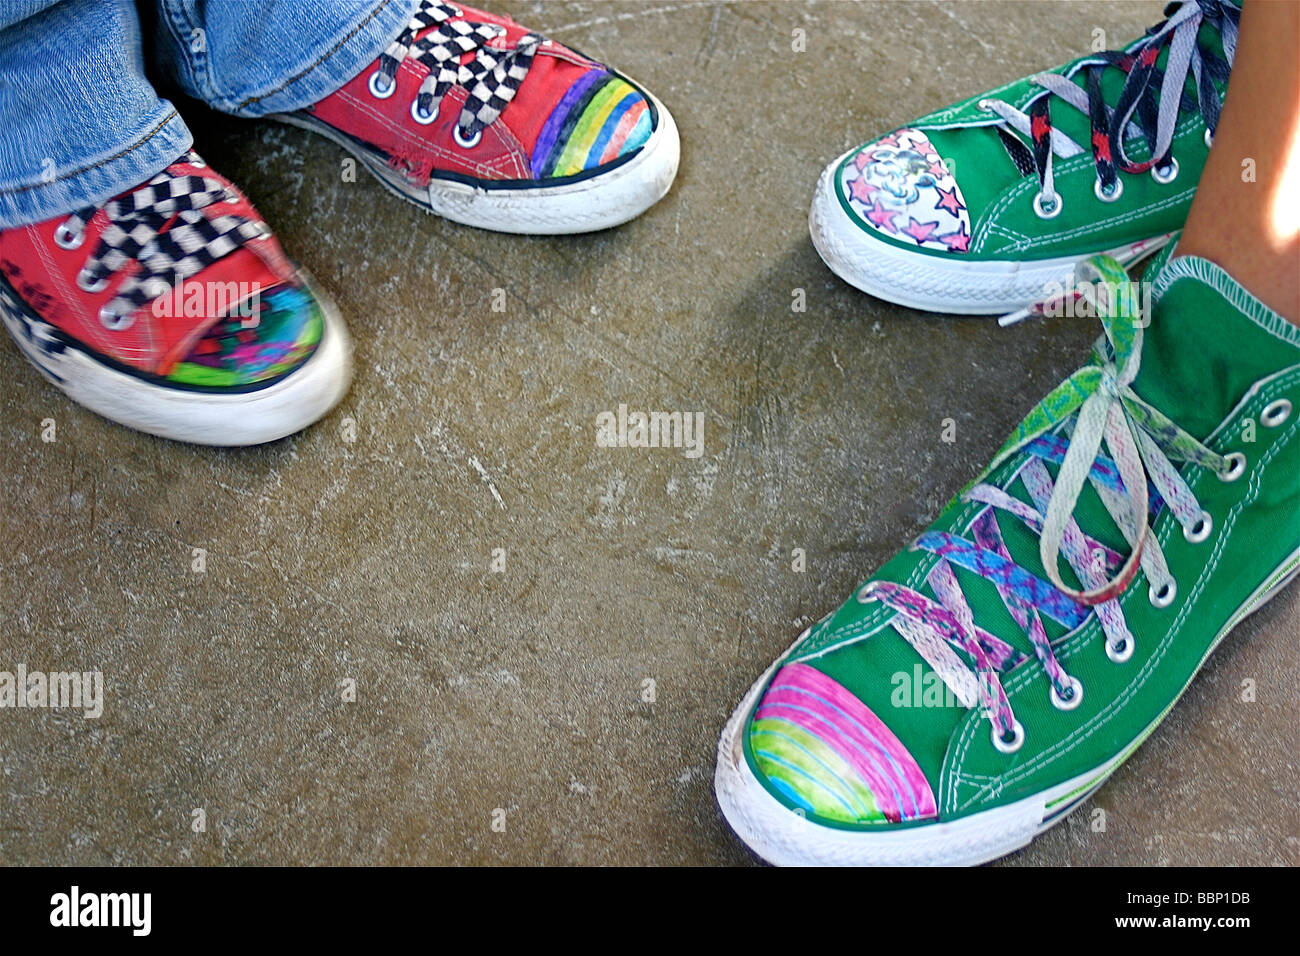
<point>79,120</point>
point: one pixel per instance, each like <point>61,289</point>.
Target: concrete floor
<point>474,430</point>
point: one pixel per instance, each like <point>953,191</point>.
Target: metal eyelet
<point>1047,209</point>
<point>1201,530</point>
<point>88,283</point>
<point>198,162</point>
<point>1208,137</point>
<point>114,322</point>
<point>232,197</point>
<point>984,105</point>
<point>1121,652</point>
<point>1166,174</point>
<point>379,92</point>
<point>65,238</point>
<point>1236,466</point>
<point>466,142</point>
<point>1100,192</point>
<point>420,116</point>
<point>1164,595</point>
<point>1275,413</point>
<point>867,592</point>
<point>1004,745</point>
<point>1075,687</point>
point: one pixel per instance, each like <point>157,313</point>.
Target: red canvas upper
<point>45,276</point>
<point>506,150</point>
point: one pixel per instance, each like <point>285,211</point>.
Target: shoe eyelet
<point>984,105</point>
<point>1164,595</point>
<point>1275,413</point>
<point>1075,687</point>
<point>65,238</point>
<point>867,593</point>
<point>1236,466</point>
<point>1004,745</point>
<point>232,197</point>
<point>1208,137</point>
<point>1100,192</point>
<point>1201,530</point>
<point>88,283</point>
<point>114,322</point>
<point>466,142</point>
<point>1046,208</point>
<point>198,162</point>
<point>380,92</point>
<point>420,116</point>
<point>1119,653</point>
<point>1165,175</point>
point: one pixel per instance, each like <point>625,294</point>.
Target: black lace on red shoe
<point>438,37</point>
<point>135,233</point>
<point>1149,104</point>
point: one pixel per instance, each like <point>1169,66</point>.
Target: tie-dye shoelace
<point>438,38</point>
<point>1067,428</point>
<point>161,226</point>
<point>1149,103</point>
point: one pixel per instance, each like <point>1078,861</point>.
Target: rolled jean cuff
<point>320,68</point>
<point>57,192</point>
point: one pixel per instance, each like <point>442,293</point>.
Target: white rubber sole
<point>597,202</point>
<point>937,283</point>
<point>785,838</point>
<point>204,418</point>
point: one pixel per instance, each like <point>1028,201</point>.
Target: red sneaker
<point>477,119</point>
<point>173,310</point>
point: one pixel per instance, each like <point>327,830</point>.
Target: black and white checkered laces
<point>491,78</point>
<point>192,243</point>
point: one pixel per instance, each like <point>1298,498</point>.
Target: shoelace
<point>135,233</point>
<point>438,38</point>
<point>1149,103</point>
<point>1065,428</point>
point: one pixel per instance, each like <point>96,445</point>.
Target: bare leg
<point>1252,229</point>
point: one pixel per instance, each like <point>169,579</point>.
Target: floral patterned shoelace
<point>1149,103</point>
<point>1067,428</point>
<point>135,233</point>
<point>438,38</point>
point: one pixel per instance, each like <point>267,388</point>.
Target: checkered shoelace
<point>1067,428</point>
<point>1149,104</point>
<point>438,37</point>
<point>135,233</point>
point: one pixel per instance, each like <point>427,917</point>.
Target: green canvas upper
<point>856,729</point>
<point>946,185</point>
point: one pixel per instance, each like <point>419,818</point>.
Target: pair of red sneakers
<point>172,309</point>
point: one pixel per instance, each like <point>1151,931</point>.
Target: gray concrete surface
<point>474,430</point>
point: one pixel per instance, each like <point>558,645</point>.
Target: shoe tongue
<point>1208,342</point>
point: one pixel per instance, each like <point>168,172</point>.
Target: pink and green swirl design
<point>829,755</point>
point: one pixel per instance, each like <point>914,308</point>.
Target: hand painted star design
<point>958,241</point>
<point>881,217</point>
<point>922,232</point>
<point>948,200</point>
<point>861,190</point>
<point>890,140</point>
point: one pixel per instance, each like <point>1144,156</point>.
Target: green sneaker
<point>976,690</point>
<point>990,204</point>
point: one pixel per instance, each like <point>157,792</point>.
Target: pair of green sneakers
<point>984,682</point>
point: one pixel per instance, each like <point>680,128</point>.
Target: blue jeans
<point>79,120</point>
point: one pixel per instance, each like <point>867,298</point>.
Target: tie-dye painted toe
<point>829,755</point>
<point>256,344</point>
